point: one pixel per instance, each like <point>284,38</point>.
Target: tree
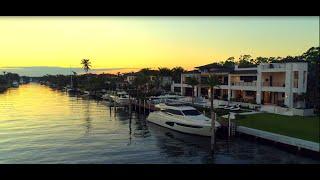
<point>245,60</point>
<point>86,64</point>
<point>312,56</point>
<point>229,62</point>
<point>140,83</point>
<point>212,81</point>
<point>193,81</point>
<point>162,73</point>
<point>147,71</point>
<point>176,73</point>
<point>260,60</point>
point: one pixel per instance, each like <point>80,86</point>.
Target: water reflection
<point>87,118</point>
<point>130,128</point>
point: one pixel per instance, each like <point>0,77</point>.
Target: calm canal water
<point>41,125</point>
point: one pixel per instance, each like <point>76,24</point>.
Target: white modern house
<point>274,87</point>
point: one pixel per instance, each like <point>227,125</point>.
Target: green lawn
<point>306,128</point>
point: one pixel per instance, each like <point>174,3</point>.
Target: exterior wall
<point>278,79</point>
<point>288,101</point>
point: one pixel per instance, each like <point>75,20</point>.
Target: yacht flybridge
<point>182,118</point>
<point>121,98</point>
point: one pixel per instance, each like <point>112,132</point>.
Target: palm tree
<point>193,81</point>
<point>212,81</point>
<point>86,64</point>
<point>163,72</point>
<point>140,82</point>
<point>176,74</point>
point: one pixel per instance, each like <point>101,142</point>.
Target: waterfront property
<point>273,87</point>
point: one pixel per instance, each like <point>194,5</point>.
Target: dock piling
<point>213,118</point>
<point>144,107</point>
<point>129,106</point>
<point>229,126</point>
<point>139,106</point>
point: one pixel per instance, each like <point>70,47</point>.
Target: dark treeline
<point>311,56</point>
<point>147,82</point>
<point>7,78</point>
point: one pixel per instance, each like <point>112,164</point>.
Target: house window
<point>177,89</point>
<point>248,78</point>
<point>250,93</point>
<point>187,79</point>
<point>204,79</point>
<point>296,75</point>
<point>175,112</point>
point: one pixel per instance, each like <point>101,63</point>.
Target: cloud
<point>43,70</point>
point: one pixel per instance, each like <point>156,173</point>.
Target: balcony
<point>273,67</point>
<point>273,84</point>
<point>243,83</point>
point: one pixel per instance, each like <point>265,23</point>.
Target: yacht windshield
<point>191,112</point>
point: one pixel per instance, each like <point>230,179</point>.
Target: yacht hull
<point>121,101</point>
<point>178,125</point>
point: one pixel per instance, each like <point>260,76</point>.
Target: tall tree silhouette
<point>86,65</point>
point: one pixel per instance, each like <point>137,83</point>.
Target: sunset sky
<point>138,42</point>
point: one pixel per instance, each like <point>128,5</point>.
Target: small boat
<point>182,118</point>
<point>106,96</point>
<point>73,90</point>
<point>121,98</point>
<point>15,84</point>
<point>235,107</point>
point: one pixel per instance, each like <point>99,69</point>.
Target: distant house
<point>130,77</point>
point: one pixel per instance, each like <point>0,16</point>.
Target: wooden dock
<point>144,105</point>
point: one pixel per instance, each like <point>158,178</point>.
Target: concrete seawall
<point>300,143</point>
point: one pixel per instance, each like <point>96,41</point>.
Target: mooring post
<point>110,110</point>
<point>213,117</point>
<point>229,126</point>
<point>139,106</point>
<point>115,109</point>
<point>144,107</point>
<point>129,106</point>
<point>149,106</point>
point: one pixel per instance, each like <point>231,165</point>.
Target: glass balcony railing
<point>273,84</point>
<point>243,83</point>
<point>273,66</point>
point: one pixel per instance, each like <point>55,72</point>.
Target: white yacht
<point>164,98</point>
<point>182,118</point>
<point>121,98</point>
